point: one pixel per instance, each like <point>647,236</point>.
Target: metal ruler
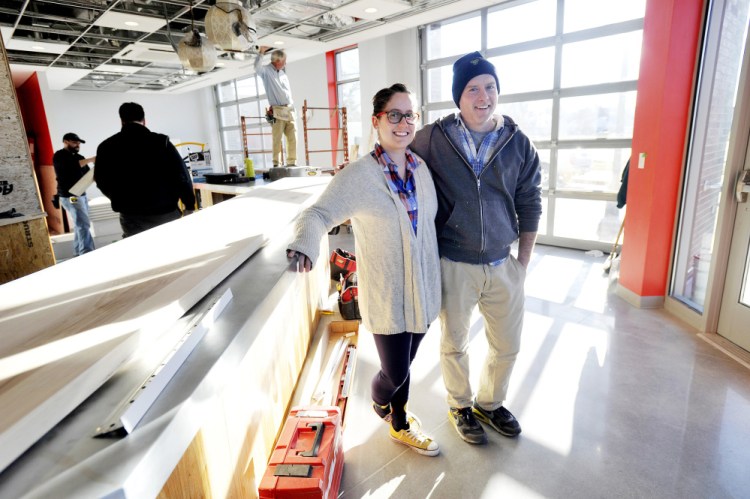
<point>131,410</point>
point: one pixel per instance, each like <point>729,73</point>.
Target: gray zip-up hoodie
<point>480,217</point>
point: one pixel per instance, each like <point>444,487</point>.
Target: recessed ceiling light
<point>131,23</point>
<point>371,10</point>
<point>279,42</point>
<point>37,47</point>
<point>220,64</point>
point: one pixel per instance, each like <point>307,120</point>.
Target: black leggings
<point>391,384</point>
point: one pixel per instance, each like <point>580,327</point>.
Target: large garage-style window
<point>568,71</point>
<point>244,97</point>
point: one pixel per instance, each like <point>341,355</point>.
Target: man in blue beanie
<point>488,180</point>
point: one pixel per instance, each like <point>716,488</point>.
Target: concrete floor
<point>613,401</point>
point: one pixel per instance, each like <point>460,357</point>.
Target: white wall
<point>309,81</point>
<point>189,117</point>
<point>382,62</point>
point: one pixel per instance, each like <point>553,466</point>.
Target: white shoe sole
<point>424,452</point>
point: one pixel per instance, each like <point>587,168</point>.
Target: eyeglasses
<point>396,116</point>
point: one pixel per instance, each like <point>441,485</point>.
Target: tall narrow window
<point>348,95</point>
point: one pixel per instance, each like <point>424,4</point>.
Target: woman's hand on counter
<point>303,262</point>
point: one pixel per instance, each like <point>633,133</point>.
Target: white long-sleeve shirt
<point>276,82</point>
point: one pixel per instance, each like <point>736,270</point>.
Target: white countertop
<point>68,462</point>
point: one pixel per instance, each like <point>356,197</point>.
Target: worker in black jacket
<point>143,175</point>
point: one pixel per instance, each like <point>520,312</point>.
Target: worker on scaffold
<point>279,95</point>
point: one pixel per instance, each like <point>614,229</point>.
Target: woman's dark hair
<point>384,95</point>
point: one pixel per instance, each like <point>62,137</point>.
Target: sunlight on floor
<point>509,487</point>
<point>552,278</point>
<point>387,489</point>
<point>593,292</point>
<point>556,388</point>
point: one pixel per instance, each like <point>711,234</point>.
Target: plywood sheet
<point>66,329</point>
<point>18,190</point>
<point>25,247</point>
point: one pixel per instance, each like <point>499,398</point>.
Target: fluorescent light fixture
<point>372,9</point>
<point>122,20</point>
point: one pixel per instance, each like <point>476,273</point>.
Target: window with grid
<point>568,71</point>
<point>235,99</point>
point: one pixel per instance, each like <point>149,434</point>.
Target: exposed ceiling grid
<point>98,42</point>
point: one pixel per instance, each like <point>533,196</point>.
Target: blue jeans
<point>78,212</point>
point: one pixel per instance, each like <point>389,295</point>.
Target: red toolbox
<point>309,457</point>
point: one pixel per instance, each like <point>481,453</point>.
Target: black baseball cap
<point>73,136</point>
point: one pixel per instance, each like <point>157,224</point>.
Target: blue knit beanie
<point>466,68</point>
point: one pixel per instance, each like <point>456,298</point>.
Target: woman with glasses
<point>389,196</point>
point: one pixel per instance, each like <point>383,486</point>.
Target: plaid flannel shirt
<point>404,188</point>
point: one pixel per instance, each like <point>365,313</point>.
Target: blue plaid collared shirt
<point>461,135</point>
<point>404,188</point>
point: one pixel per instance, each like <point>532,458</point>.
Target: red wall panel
<point>671,35</point>
<point>35,120</point>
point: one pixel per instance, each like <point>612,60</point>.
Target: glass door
<point>734,321</point>
<point>710,136</point>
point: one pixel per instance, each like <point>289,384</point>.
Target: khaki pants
<point>285,126</point>
<point>498,290</point>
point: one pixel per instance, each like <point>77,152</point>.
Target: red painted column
<point>35,120</point>
<point>671,35</point>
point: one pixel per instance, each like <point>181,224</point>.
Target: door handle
<point>743,186</point>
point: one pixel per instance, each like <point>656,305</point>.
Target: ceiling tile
<point>60,78</point>
<point>6,32</point>
<point>36,46</point>
<point>281,41</point>
<point>148,52</point>
<point>119,68</point>
<point>132,22</point>
<point>372,9</point>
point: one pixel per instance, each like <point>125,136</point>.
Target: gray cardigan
<point>398,271</point>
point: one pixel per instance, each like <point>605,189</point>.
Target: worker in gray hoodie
<point>488,181</point>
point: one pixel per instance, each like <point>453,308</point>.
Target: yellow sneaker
<point>416,441</point>
<point>384,412</point>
